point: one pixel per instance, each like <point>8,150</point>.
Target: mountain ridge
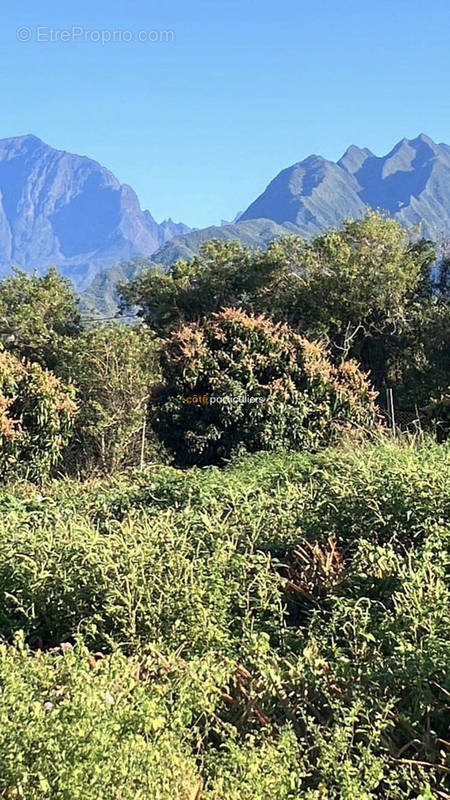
<point>411,183</point>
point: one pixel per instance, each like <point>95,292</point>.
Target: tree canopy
<point>36,313</point>
<point>357,288</point>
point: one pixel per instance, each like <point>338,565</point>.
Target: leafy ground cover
<point>275,629</point>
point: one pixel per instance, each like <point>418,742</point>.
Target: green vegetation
<point>36,417</point>
<point>113,369</point>
<point>275,624</point>
<point>239,383</point>
<point>365,293</point>
<point>367,289</point>
<point>36,314</point>
<point>278,627</point>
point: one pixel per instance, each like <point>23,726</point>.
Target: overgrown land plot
<point>277,629</point>
<point>224,569</point>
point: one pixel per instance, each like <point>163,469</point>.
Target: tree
<point>357,282</point>
<point>420,366</point>
<point>420,361</point>
<point>355,287</point>
<point>243,383</point>
<point>222,274</point>
<point>36,416</point>
<point>112,369</point>
<point>36,312</point>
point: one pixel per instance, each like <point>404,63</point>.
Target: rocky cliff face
<point>68,210</point>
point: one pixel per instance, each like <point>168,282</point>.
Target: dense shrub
<point>292,395</point>
<point>36,415</point>
<point>166,555</point>
<point>275,629</point>
<point>437,416</point>
<point>74,729</point>
<point>112,368</point>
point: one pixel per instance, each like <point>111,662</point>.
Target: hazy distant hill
<point>101,294</point>
<point>254,232</point>
<point>68,210</point>
<point>100,298</point>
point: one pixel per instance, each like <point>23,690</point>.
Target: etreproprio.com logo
<point>77,33</point>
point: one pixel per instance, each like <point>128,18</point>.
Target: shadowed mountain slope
<point>69,211</point>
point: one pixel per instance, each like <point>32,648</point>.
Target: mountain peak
<point>353,158</point>
<point>422,137</point>
<point>313,160</point>
<point>426,145</point>
<point>353,149</point>
<point>68,210</point>
<point>411,182</point>
<point>420,141</point>
<point>28,142</point>
<point>27,138</point>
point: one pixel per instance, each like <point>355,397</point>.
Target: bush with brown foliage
<point>237,383</point>
<point>36,415</point>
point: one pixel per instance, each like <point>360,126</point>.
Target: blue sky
<point>199,125</point>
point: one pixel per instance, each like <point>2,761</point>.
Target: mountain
<point>67,210</point>
<point>313,194</point>
<point>411,183</point>
<point>169,229</point>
